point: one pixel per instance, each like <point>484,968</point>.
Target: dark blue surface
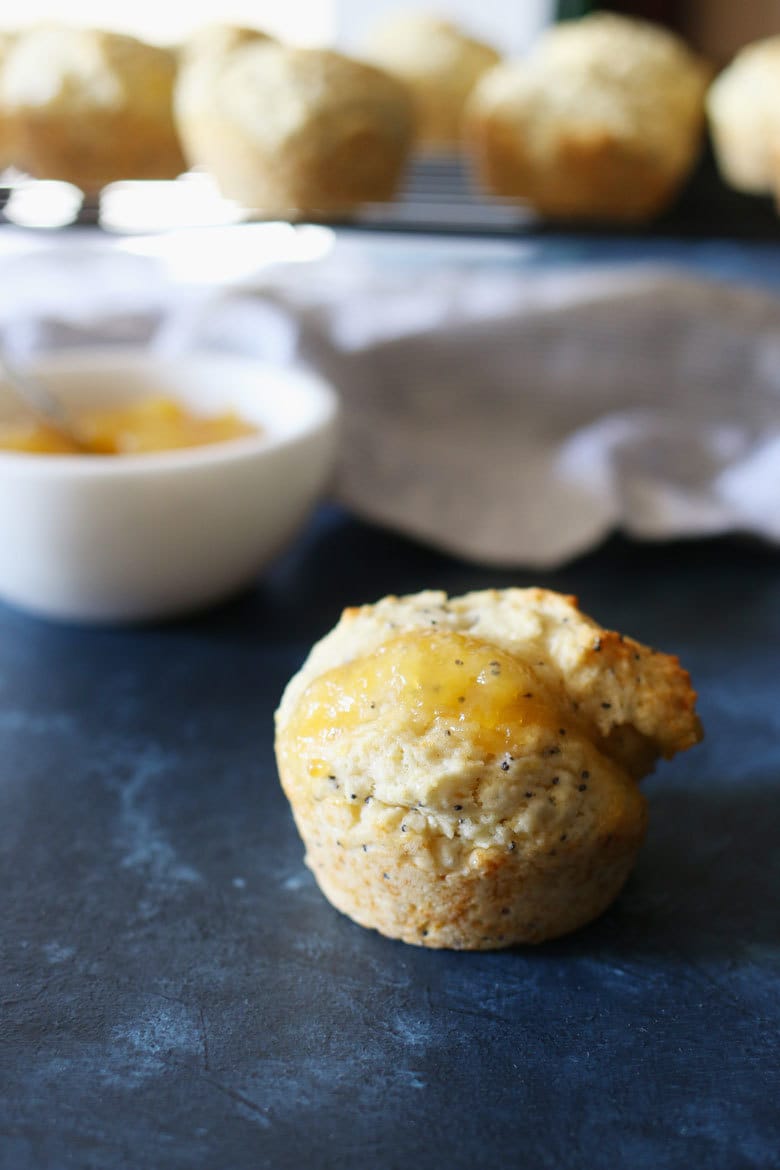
<point>176,993</point>
<point>750,264</point>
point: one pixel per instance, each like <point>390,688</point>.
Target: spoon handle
<point>39,399</point>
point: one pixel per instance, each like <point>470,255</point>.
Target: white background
<point>508,23</point>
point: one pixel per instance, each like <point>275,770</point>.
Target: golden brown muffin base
<point>744,163</point>
<point>364,167</point>
<point>595,177</point>
<point>508,897</point>
<point>438,118</point>
<point>95,149</point>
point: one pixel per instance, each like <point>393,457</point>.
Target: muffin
<point>440,64</point>
<point>215,40</point>
<point>464,772</point>
<point>90,107</point>
<point>603,121</point>
<point>743,106</point>
<point>297,131</point>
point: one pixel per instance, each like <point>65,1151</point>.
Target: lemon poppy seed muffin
<point>603,120</point>
<point>464,771</point>
<point>440,64</point>
<point>90,107</point>
<point>298,131</point>
<point>743,106</point>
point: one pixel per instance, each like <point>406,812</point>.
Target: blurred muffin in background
<point>90,107</point>
<point>440,64</point>
<point>743,106</point>
<point>7,152</point>
<point>603,121</point>
<point>202,58</point>
<point>290,132</point>
<point>214,40</point>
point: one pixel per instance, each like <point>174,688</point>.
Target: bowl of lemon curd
<point>193,473</point>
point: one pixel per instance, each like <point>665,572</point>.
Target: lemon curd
<point>428,678</point>
<point>147,425</point>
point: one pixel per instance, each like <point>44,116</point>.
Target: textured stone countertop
<point>174,991</point>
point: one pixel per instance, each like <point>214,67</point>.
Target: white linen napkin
<point>510,416</point>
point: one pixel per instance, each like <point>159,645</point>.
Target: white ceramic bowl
<point>132,538</point>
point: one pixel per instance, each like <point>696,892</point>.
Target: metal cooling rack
<point>440,197</point>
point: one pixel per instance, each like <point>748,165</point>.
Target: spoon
<point>41,402</point>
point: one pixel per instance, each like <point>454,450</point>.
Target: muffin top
<point>626,76</point>
<point>214,40</point>
<point>273,93</point>
<point>203,58</point>
<point>79,69</point>
<point>424,47</point>
<point>483,717</point>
